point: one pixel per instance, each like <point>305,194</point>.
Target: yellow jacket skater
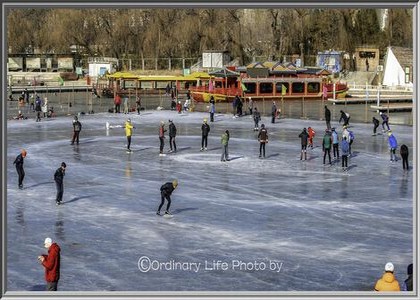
<point>128,132</point>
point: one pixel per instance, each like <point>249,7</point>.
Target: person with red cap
<point>19,167</point>
<point>388,283</point>
<point>51,263</point>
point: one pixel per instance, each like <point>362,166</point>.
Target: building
<point>366,58</point>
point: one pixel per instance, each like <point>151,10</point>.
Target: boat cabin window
<point>279,88</point>
<point>266,88</point>
<point>298,87</point>
<point>251,87</point>
<point>218,84</point>
<point>314,87</point>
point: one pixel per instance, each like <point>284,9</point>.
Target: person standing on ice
<point>263,139</point>
<point>304,142</point>
<point>19,167</point>
<point>59,182</point>
<point>311,135</point>
<point>38,108</point>
<point>138,104</point>
<point>257,118</point>
<point>125,105</point>
<point>162,131</point>
<point>335,143</point>
<point>205,129</point>
<point>345,117</point>
<point>77,127</point>
<point>392,142</point>
<point>375,122</point>
<point>327,114</point>
<point>404,156</point>
<point>172,135</point>
<point>128,133</point>
<point>326,145</point>
<point>165,193</point>
<point>273,112</point>
<point>51,263</point>
<point>385,120</point>
<point>344,153</point>
<point>212,109</point>
<point>388,283</point>
<point>250,106</point>
<point>225,143</point>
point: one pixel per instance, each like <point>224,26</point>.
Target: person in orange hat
<point>19,167</point>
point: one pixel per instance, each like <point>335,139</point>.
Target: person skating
<point>326,145</point>
<point>385,120</point>
<point>205,129</point>
<point>375,122</point>
<point>311,135</point>
<point>263,139</point>
<point>404,155</point>
<point>59,182</point>
<point>388,283</point>
<point>165,193</point>
<point>19,167</point>
<point>345,117</point>
<point>162,131</point>
<point>335,143</point>
<point>117,102</point>
<point>128,133</point>
<point>257,118</point>
<point>51,263</point>
<point>38,108</point>
<point>172,135</point>
<point>351,140</point>
<point>392,142</point>
<point>138,104</point>
<point>344,153</point>
<point>225,143</point>
<point>77,127</point>
<point>212,109</point>
<point>273,112</point>
<point>408,283</point>
<point>327,114</point>
<point>250,106</point>
<point>304,143</point>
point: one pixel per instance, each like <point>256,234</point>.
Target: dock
<point>393,107</point>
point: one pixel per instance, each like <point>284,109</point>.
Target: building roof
<point>403,55</point>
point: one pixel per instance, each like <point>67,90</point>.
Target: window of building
<point>298,87</point>
<point>279,87</point>
<point>266,88</point>
<point>251,87</point>
<point>314,87</point>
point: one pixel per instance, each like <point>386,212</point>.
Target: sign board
<point>100,69</point>
<point>33,63</point>
<point>65,63</point>
<point>15,63</point>
<point>215,59</point>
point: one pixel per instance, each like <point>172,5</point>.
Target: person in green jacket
<point>326,145</point>
<point>225,142</point>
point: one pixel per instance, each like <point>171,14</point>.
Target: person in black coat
<point>205,129</point>
<point>304,141</point>
<point>404,155</point>
<point>77,127</point>
<point>19,167</point>
<point>327,113</point>
<point>375,122</point>
<point>345,117</point>
<point>408,283</point>
<point>59,182</point>
<point>172,135</point>
<point>166,192</point>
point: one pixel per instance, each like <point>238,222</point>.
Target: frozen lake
<point>278,224</point>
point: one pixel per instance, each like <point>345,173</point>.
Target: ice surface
<point>323,228</point>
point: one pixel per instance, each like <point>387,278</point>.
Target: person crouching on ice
<point>165,192</point>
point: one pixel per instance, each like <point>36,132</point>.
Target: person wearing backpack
<point>326,145</point>
<point>344,153</point>
<point>77,127</point>
<point>351,137</point>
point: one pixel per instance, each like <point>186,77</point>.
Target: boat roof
<point>191,77</point>
<point>225,72</point>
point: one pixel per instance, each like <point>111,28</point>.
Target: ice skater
<point>345,117</point>
<point>304,143</point>
<point>327,114</point>
<point>59,182</point>
<point>172,135</point>
<point>326,145</point>
<point>128,133</point>
<point>225,143</point>
<point>165,193</point>
<point>393,144</point>
<point>51,263</point>
<point>257,118</point>
<point>375,122</point>
<point>19,167</point>
<point>263,139</point>
<point>138,104</point>
<point>162,131</point>
<point>344,153</point>
<point>250,106</point>
<point>335,143</point>
<point>404,155</point>
<point>273,112</point>
<point>311,135</point>
<point>385,120</point>
<point>212,109</point>
<point>38,108</point>
<point>205,129</point>
<point>77,127</point>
